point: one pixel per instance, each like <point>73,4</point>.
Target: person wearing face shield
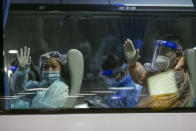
<point>125,93</point>
<point>51,92</point>
<point>166,84</point>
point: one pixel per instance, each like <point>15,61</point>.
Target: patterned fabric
<point>166,101</point>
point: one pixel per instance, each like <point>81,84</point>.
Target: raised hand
<point>24,58</point>
<point>131,54</point>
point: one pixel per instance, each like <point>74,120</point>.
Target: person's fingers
<point>21,52</point>
<point>28,52</point>
<point>131,45</point>
<point>125,46</point>
<point>127,39</point>
<point>29,61</point>
<point>25,51</point>
<point>128,47</point>
<point>138,54</point>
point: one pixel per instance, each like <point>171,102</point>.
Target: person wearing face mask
<point>167,81</point>
<point>52,91</point>
<point>125,93</point>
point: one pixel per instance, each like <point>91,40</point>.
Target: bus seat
<point>191,65</point>
<point>76,70</point>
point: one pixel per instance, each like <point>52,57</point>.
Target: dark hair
<point>35,72</point>
<point>112,62</point>
<point>65,73</point>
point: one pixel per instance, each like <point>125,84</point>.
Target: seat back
<point>76,70</point>
<point>191,65</point>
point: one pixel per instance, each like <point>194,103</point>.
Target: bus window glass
<point>99,60</point>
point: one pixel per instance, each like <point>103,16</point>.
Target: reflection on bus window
<point>129,61</point>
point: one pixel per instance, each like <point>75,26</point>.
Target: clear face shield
<point>62,58</point>
<point>52,75</point>
<point>164,55</point>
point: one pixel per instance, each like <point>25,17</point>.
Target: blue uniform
<point>126,94</point>
<point>46,95</point>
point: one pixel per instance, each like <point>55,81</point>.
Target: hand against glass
<point>131,54</point>
<point>24,58</point>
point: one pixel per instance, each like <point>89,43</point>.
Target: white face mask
<point>51,76</point>
<point>162,62</point>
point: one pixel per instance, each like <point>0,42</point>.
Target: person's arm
<point>19,80</point>
<point>138,73</point>
<point>136,70</point>
<point>20,77</point>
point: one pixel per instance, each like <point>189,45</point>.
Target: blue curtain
<point>6,4</point>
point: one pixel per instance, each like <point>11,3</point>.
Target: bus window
<point>100,60</point>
